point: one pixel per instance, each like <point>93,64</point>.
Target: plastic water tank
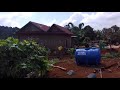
<point>88,56</point>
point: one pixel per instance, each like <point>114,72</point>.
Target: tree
<point>77,31</point>
<point>74,28</point>
<point>6,32</point>
<point>69,26</point>
<point>86,40</point>
<point>115,28</point>
<point>99,35</point>
<point>81,26</point>
<point>112,34</point>
<point>88,31</point>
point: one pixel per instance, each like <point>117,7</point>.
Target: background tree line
<point>83,33</point>
<point>86,34</point>
<point>6,32</point>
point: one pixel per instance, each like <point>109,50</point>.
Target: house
<point>51,37</point>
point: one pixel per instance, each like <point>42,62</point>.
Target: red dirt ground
<point>84,71</point>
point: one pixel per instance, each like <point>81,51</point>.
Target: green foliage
<point>86,40</point>
<point>18,59</point>
<point>111,55</point>
<point>77,31</point>
<point>3,42</point>
<point>107,55</point>
<point>88,32</point>
<point>71,51</point>
<point>101,45</point>
<point>116,54</point>
<point>113,33</point>
<point>6,32</point>
<point>54,61</point>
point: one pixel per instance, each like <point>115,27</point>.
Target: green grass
<point>54,61</point>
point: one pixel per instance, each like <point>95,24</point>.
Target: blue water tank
<point>88,56</point>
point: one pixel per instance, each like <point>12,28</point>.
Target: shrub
<point>20,58</point>
<point>71,51</point>
<point>111,55</point>
<point>108,55</point>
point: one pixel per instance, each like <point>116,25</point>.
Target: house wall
<point>50,41</point>
<point>53,41</point>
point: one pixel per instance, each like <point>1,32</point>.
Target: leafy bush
<point>116,54</point>
<point>21,58</point>
<point>71,51</point>
<point>54,61</point>
<point>111,55</point>
<point>108,55</point>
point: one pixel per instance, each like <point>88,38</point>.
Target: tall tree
<point>89,32</point>
<point>81,26</point>
<point>7,32</point>
<point>115,28</point>
<point>70,26</point>
<point>99,35</point>
<point>77,30</point>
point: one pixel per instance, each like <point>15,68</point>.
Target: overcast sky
<point>97,20</point>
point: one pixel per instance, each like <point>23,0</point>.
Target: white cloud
<point>75,17</point>
<point>12,18</point>
<point>51,22</point>
<point>97,20</point>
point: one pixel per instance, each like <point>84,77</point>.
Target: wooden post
<point>100,73</point>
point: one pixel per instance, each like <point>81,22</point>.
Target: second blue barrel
<point>88,56</point>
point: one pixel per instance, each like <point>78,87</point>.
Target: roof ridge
<point>41,26</point>
<point>46,28</point>
<point>39,23</point>
<point>63,28</point>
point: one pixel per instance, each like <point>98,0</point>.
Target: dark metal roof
<point>63,29</point>
<point>47,28</point>
<point>41,26</point>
